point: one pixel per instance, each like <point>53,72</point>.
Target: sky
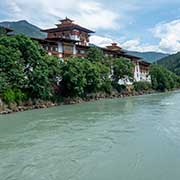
<point>137,25</point>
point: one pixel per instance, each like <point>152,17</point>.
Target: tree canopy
<point>122,68</point>
<point>163,79</point>
<point>25,66</point>
<point>27,71</point>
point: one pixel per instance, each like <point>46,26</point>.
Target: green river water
<point>136,138</point>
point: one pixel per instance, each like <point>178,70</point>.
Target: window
<point>68,48</point>
<point>55,48</point>
<point>82,52</point>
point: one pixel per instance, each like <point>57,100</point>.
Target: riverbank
<point>40,104</point>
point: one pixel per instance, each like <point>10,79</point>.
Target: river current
<point>135,138</point>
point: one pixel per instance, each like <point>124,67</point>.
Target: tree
<point>11,68</point>
<point>27,67</point>
<point>163,79</point>
<point>122,68</point>
<point>95,54</point>
<point>92,75</point>
<point>73,78</point>
<point>2,31</point>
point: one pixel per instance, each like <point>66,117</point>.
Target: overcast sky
<point>139,25</point>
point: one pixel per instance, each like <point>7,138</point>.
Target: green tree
<point>2,31</point>
<point>92,75</point>
<point>11,67</point>
<point>122,68</point>
<point>73,78</point>
<point>95,54</point>
<point>27,67</point>
<point>142,86</point>
<point>163,79</point>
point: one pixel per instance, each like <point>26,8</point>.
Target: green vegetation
<point>163,79</point>
<point>95,55</point>
<point>122,69</point>
<point>81,76</point>
<point>171,62</point>
<point>2,31</point>
<point>24,67</point>
<point>13,95</point>
<point>142,86</point>
<point>28,73</point>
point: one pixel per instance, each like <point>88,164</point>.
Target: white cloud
<point>94,15</point>
<point>14,8</point>
<point>91,13</point>
<point>169,35</point>
<point>136,45</point>
<point>131,45</point>
<point>100,41</point>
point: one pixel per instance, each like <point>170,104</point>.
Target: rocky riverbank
<point>39,104</point>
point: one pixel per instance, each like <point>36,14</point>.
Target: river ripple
<point>136,138</point>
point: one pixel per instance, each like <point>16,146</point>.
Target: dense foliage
<point>122,69</point>
<point>95,54</point>
<point>27,72</point>
<point>24,67</point>
<point>2,31</point>
<point>80,77</point>
<point>163,79</point>
<point>171,62</point>
<point>142,86</point>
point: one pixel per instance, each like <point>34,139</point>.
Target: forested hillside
<point>171,62</point>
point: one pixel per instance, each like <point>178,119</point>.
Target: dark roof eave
<point>81,46</point>
<point>132,57</point>
<point>43,40</point>
<point>62,39</point>
<point>67,28</point>
<point>145,63</point>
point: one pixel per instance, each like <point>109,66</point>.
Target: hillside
<point>171,62</point>
<point>24,27</point>
<point>149,56</point>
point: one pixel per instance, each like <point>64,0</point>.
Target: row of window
<point>50,48</point>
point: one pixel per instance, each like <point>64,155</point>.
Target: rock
<point>29,103</point>
<point>1,102</point>
<point>13,107</point>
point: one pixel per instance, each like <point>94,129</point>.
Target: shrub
<point>163,79</point>
<point>142,86</point>
<point>9,96</point>
<point>13,95</point>
<point>106,86</point>
<point>19,95</point>
<point>119,88</point>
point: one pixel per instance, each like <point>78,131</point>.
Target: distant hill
<point>149,56</point>
<point>24,27</point>
<point>171,62</point>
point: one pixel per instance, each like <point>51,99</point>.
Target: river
<point>136,138</point>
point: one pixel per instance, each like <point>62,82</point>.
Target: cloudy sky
<point>139,25</point>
